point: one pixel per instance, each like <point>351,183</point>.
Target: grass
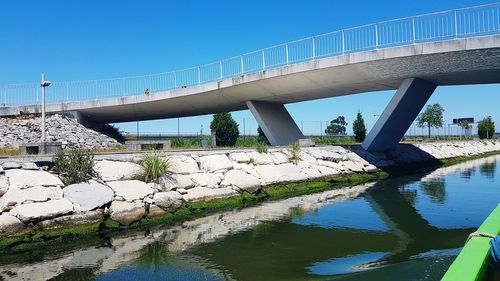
<point>9,151</point>
<point>294,153</point>
<point>154,166</point>
<point>261,147</point>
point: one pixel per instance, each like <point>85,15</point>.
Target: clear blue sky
<point>91,39</point>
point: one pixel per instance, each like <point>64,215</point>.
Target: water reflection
<point>390,230</point>
<point>435,189</point>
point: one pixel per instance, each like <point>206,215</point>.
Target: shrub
<point>261,147</point>
<point>226,129</point>
<point>294,153</point>
<point>110,131</point>
<point>359,129</point>
<point>486,128</point>
<point>262,137</point>
<point>180,143</point>
<point>75,166</point>
<point>153,167</point>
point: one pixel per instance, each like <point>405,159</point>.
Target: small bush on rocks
<point>295,153</point>
<point>153,167</point>
<point>75,166</point>
<point>261,147</point>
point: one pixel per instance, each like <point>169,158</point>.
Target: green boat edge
<point>472,262</point>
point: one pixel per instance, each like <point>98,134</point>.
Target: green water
<point>405,228</point>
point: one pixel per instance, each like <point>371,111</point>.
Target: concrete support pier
<point>399,114</point>
<point>275,122</point>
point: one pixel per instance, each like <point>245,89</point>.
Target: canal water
<point>405,228</point>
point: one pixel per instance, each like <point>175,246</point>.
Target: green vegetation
<point>261,136</point>
<point>358,127</point>
<point>486,128</point>
<point>74,166</point>
<point>9,151</point>
<point>337,126</point>
<point>226,129</point>
<point>330,140</point>
<point>294,153</point>
<point>261,147</point>
<point>153,167</point>
<point>110,131</point>
<point>431,117</point>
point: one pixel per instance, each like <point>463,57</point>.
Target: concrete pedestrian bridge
<point>413,55</point>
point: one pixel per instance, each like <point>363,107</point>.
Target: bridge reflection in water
<point>380,231</point>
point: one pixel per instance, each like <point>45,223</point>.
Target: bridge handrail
<point>429,27</point>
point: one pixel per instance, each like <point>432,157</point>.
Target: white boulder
<point>127,212</point>
<point>131,190</point>
<point>240,157</point>
<point>280,173</point>
<point>10,224</point>
<point>116,170</point>
<point>216,162</point>
<point>43,210</point>
<point>260,158</point>
<point>88,195</point>
<point>168,200</point>
<point>4,185</point>
<point>242,180</point>
<point>173,182</point>
<point>27,178</point>
<point>16,196</point>
<point>204,193</point>
<point>182,164</point>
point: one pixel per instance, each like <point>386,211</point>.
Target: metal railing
<point>459,23</point>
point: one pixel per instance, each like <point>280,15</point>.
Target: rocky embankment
<point>30,195</point>
<point>27,129</point>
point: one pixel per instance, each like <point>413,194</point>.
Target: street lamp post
<point>45,83</point>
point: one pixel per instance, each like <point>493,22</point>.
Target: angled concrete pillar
<point>275,122</point>
<point>399,114</point>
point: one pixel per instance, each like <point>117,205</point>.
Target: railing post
<point>175,79</point>
<point>286,53</point>
<point>263,60</point>
<point>199,76</point>
<point>343,42</point>
<point>241,64</point>
<point>220,68</point>
<point>313,48</point>
<point>5,96</point>
<point>413,28</point>
<point>376,36</point>
<point>456,23</point>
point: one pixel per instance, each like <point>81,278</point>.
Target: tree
<point>226,129</point>
<point>262,137</point>
<point>465,126</point>
<point>359,129</point>
<point>337,126</point>
<point>486,128</point>
<point>431,117</point>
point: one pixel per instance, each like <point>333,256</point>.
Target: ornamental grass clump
<point>295,154</point>
<point>154,167</point>
<point>74,166</point>
<point>261,147</point>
